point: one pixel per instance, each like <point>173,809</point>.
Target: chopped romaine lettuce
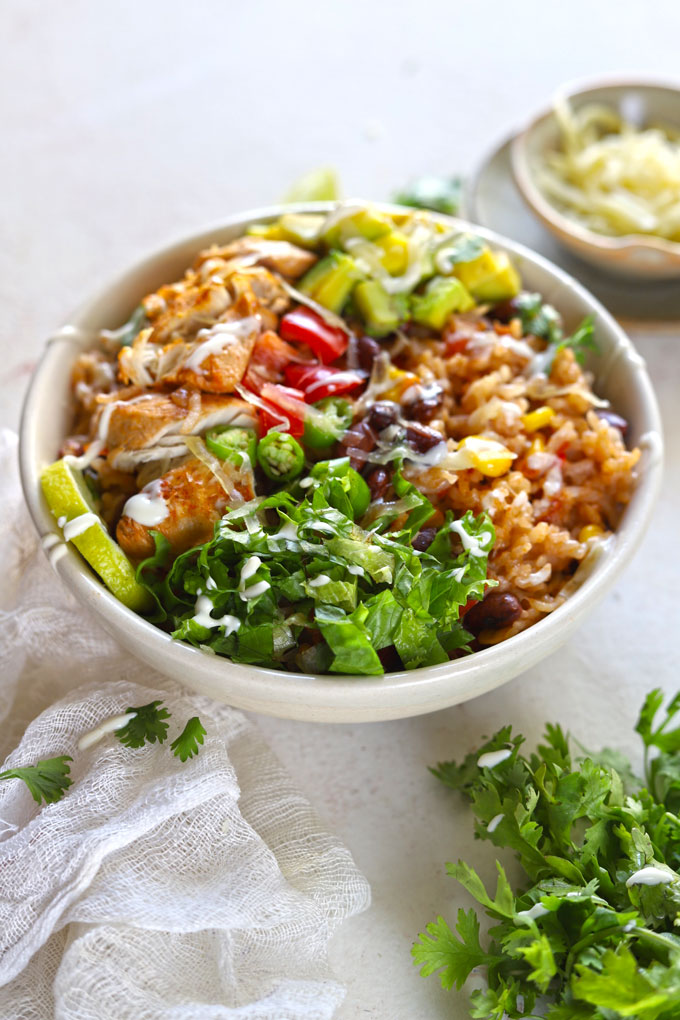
<point>298,583</point>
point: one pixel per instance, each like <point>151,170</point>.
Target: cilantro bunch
<point>542,320</point>
<point>594,929</point>
<point>323,592</point>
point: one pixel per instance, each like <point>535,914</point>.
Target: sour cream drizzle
<point>538,910</point>
<point>218,338</point>
<point>319,581</point>
<point>116,722</point>
<point>78,525</point>
<point>204,607</point>
<point>147,507</point>
<point>649,876</point>
<point>495,822</point>
<point>490,759</point>
<point>471,543</point>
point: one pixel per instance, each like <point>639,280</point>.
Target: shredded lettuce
<point>322,593</point>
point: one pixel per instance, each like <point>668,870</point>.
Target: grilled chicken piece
<point>195,500</point>
<point>281,256</point>
<point>150,427</point>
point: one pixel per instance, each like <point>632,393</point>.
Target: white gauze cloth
<point>155,888</point>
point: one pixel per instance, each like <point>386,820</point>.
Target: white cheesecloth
<point>154,888</point>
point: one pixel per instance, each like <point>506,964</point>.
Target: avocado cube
<point>490,277</point>
<point>366,223</point>
<point>375,306</point>
<point>303,229</point>
<point>331,281</point>
<point>442,297</point>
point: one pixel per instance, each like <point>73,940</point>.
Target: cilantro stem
<point>588,940</point>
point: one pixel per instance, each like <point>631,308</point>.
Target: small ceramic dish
<point>620,374</point>
<point>636,255</point>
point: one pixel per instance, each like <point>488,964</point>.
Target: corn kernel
<point>402,380</point>
<point>537,445</point>
<point>590,531</point>
<point>537,419</point>
<point>394,247</point>
<point>488,456</point>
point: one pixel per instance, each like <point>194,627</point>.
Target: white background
<point>125,125</point>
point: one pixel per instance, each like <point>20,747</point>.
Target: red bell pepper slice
<point>285,402</point>
<point>304,326</point>
<point>319,381</point>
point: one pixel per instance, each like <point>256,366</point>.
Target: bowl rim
<point>347,698</point>
<point>548,213</point>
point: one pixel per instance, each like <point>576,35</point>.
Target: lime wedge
<point>67,497</point>
<point>319,185</point>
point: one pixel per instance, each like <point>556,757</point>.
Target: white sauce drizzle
<point>319,581</point>
<point>55,554</point>
<point>471,543</point>
<point>495,822</point>
<point>204,607</point>
<point>218,338</point>
<point>61,521</point>
<point>254,590</point>
<point>649,875</point>
<point>116,722</point>
<point>288,530</point>
<point>47,541</point>
<point>85,459</point>
<point>147,507</point>
<point>538,910</point>
<point>304,483</point>
<point>250,567</point>
<point>490,759</point>
<point>78,525</point>
<point>211,583</point>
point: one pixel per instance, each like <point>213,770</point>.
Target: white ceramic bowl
<point>46,419</point>
<point>631,255</point>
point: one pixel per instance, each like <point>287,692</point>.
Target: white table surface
<point>126,125</point>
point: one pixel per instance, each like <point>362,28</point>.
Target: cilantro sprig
<point>593,931</point>
<point>148,724</point>
<point>47,781</point>
<point>186,744</point>
<point>544,321</point>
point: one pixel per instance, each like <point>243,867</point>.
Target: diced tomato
<point>468,605</point>
<point>319,381</point>
<point>306,327</point>
<point>285,403</point>
<point>270,356</point>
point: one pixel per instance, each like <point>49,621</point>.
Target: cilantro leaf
<point>186,744</point>
<point>592,928</point>
<point>147,725</point>
<point>440,950</point>
<point>48,780</point>
<point>581,340</point>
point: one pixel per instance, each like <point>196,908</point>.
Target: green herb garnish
<point>147,725</point>
<point>442,194</point>
<point>48,780</point>
<point>594,929</point>
<point>186,744</point>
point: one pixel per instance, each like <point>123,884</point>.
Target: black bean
<point>422,438</point>
<point>382,414</point>
<point>390,659</point>
<point>498,609</point>
<point>424,539</point>
<point>360,440</point>
<point>425,406</point>
<point>367,351</point>
<point>615,420</point>
<point>378,482</point>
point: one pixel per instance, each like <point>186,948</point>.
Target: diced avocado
<point>442,297</point>
<point>66,495</point>
<point>331,281</point>
<point>394,248</point>
<point>302,228</point>
<point>490,277</point>
<point>268,231</point>
<point>366,223</point>
<point>377,308</point>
